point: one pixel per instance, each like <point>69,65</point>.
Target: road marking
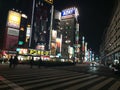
<point>100,85</point>
<point>10,84</point>
<point>70,82</point>
<point>115,86</point>
<point>59,81</point>
<point>78,86</point>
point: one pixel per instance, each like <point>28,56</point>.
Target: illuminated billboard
<point>49,1</point>
<point>14,19</point>
<point>70,12</point>
<point>13,32</point>
<point>58,44</point>
<point>22,51</point>
<point>38,52</point>
<point>53,48</point>
<point>54,35</point>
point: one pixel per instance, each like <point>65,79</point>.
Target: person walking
<point>39,62</point>
<point>31,62</point>
<point>15,61</point>
<point>11,62</point>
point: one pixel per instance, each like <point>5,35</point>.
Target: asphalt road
<point>79,77</point>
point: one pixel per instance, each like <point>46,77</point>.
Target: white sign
<point>12,31</point>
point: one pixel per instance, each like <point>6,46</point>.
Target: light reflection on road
<point>93,68</point>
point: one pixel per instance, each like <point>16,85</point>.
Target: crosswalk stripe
<point>52,79</point>
<point>76,87</point>
<point>115,86</point>
<point>68,83</point>
<point>40,75</point>
<point>3,86</point>
<point>11,84</point>
<point>26,73</point>
<point>59,80</point>
<point>100,85</point>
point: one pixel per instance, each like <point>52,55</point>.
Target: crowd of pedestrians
<point>13,61</point>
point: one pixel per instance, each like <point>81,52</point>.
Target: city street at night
<point>59,44</point>
<point>80,76</point>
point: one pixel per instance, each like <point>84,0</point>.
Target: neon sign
<point>38,52</point>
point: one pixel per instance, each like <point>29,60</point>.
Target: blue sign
<point>66,12</point>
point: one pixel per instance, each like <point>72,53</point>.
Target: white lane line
<point>10,84</point>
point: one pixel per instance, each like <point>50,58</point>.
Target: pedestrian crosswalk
<point>54,79</point>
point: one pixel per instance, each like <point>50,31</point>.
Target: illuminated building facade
<point>57,27</point>
<point>68,29</point>
<point>41,23</point>
<point>110,47</point>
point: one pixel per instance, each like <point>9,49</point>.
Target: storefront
<point>5,55</point>
<point>27,54</point>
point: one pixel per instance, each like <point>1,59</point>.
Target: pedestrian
<point>11,62</point>
<point>39,62</point>
<point>15,61</point>
<point>31,62</point>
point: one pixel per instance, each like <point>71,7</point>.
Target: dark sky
<point>94,17</point>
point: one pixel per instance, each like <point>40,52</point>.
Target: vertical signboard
<point>12,30</point>
<point>14,19</point>
<point>53,42</point>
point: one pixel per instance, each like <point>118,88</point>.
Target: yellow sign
<point>38,52</point>
<point>14,19</point>
<point>49,1</point>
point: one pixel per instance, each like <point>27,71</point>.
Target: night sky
<point>94,16</point>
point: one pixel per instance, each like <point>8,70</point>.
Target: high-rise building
<point>68,29</point>
<point>41,24</point>
<point>110,47</point>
